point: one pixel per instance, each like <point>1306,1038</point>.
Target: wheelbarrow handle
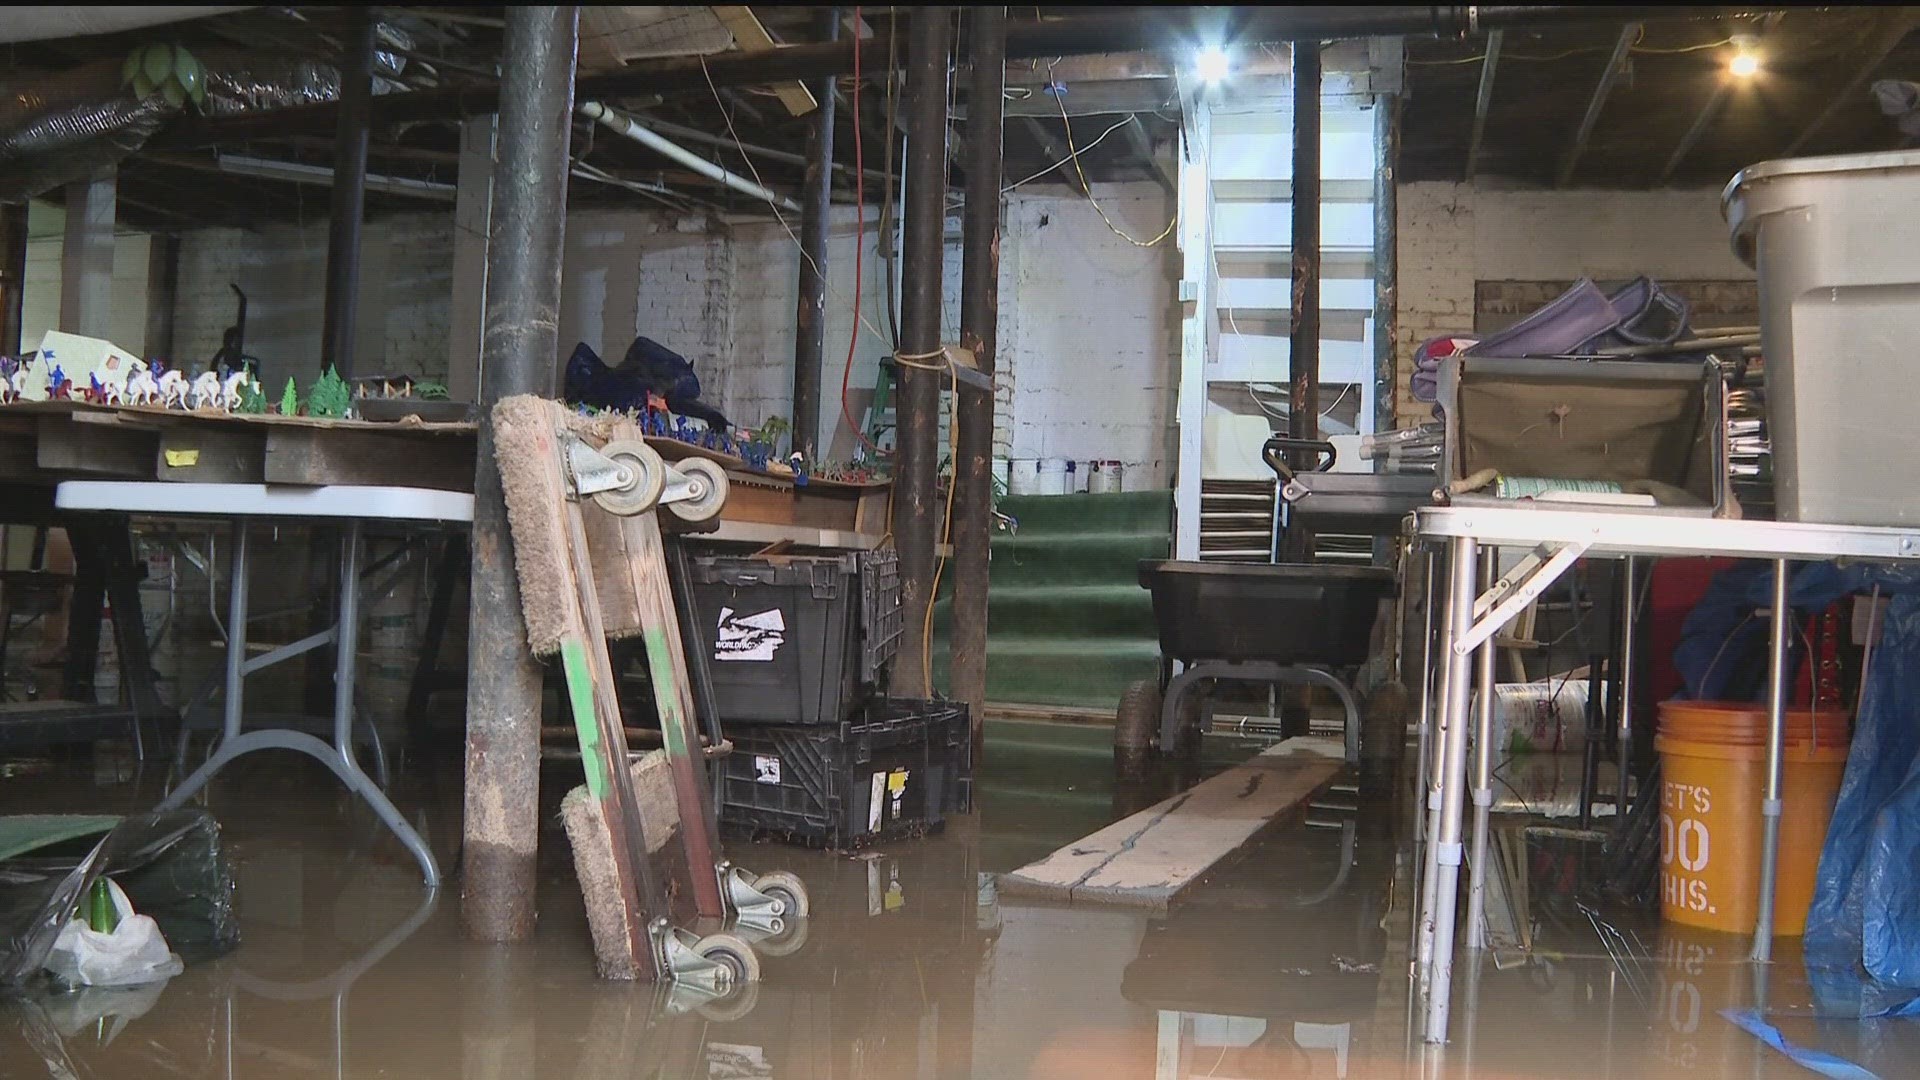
<point>1270,453</point>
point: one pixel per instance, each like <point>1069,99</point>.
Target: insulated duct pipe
<point>43,23</point>
<point>652,140</point>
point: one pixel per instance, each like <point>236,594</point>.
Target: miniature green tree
<point>290,400</point>
<point>253,398</point>
<point>330,397</point>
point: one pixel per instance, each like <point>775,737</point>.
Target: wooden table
<point>44,442</point>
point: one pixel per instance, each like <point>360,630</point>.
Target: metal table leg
<point>1482,776</point>
<point>1623,730</point>
<point>1443,858</point>
<point>1776,736</point>
<point>338,757</point>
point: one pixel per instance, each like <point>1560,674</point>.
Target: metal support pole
<point>1386,260</point>
<point>1623,723</point>
<point>1423,767</point>
<point>816,210</point>
<point>1776,737</point>
<point>1303,352</point>
<point>930,37</point>
<point>1437,914</point>
<point>519,350</point>
<point>13,275</point>
<point>349,196</point>
<point>979,318</point>
<point>1482,773</point>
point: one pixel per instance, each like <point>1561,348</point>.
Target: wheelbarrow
<point>1283,624</point>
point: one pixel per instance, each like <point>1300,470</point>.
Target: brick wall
<point>1452,235</point>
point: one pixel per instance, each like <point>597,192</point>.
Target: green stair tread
<point>1132,510</point>
<point>1105,611</point>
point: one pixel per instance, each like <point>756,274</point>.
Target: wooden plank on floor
<point>1149,859</point>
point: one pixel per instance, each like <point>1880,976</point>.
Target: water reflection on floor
<point>1290,963</point>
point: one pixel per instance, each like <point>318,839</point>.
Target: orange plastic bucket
<point>1713,777</point>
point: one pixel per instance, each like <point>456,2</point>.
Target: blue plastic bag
<point>1866,903</point>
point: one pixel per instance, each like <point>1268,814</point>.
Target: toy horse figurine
<point>8,366</point>
<point>141,387</point>
<point>59,387</point>
<point>97,392</point>
<point>206,390</point>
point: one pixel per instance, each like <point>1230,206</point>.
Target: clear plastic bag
<point>133,953</point>
<point>171,865</point>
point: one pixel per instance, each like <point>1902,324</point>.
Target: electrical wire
<point>859,187</point>
<point>917,360</point>
<point>1069,157</point>
<point>1074,154</point>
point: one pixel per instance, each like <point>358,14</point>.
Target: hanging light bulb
<point>1213,65</point>
<point>1745,63</point>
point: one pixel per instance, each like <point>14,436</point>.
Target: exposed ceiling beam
<point>1899,22</point>
<point>1098,99</point>
<point>1142,144</point>
<point>1616,64</point>
<point>753,38</point>
<point>1723,84</point>
<point>1078,35</point>
<point>1483,99</point>
<point>1055,152</point>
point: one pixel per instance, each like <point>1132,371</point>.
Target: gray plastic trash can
<point>1836,241</point>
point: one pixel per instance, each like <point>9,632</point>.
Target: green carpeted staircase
<point>1067,621</point>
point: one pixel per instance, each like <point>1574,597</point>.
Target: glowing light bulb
<point>1744,65</point>
<point>1213,65</point>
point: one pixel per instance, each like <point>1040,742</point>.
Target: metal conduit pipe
<point>653,140</point>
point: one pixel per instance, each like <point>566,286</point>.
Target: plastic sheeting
<point>1866,903</point>
<point>171,866</point>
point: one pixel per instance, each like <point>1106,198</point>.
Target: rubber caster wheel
<point>646,478</point>
<point>733,1005</point>
<point>785,940</point>
<point>709,482</point>
<point>789,890</point>
<point>731,953</point>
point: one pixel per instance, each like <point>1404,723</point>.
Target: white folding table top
<point>265,500</point>
<point>1615,532</point>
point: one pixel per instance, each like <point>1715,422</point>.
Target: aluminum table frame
<point>242,504</point>
<point>1558,538</point>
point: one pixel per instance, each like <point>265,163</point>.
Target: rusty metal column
<point>519,348</point>
<point>1303,349</point>
<point>915,456</point>
<point>349,197</point>
<point>979,318</point>
<point>816,210</point>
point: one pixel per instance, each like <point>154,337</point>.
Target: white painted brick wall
<point>1452,235</point>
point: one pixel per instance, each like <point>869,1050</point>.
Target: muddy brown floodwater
<point>1289,963</point>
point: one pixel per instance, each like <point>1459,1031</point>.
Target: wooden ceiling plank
<point>752,37</point>
<point>1616,64</point>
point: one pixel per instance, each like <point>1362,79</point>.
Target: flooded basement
<point>1289,963</point>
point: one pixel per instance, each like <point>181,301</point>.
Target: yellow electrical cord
<point>1074,154</point>
<point>915,360</point>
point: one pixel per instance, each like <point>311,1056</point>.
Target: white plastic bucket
<point>1023,476</point>
<point>1055,476</point>
<point>1104,477</point>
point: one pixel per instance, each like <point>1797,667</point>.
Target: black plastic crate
<point>797,639</point>
<point>897,770</point>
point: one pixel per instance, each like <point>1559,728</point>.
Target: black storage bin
<point>896,770</point>
<point>797,639</point>
<point>1306,613</point>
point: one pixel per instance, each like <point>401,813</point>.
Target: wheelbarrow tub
<point>1290,614</point>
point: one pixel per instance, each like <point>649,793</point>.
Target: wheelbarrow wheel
<point>1136,722</point>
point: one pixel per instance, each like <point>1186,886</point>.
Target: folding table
<point>243,504</point>
<point>1557,538</point>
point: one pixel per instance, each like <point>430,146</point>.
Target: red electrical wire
<point>859,241</point>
